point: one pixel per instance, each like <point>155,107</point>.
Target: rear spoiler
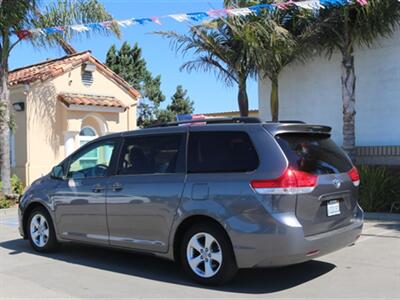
<point>276,128</point>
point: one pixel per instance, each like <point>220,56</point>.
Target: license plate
<point>333,208</point>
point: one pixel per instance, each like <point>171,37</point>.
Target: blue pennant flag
<point>51,30</point>
<point>257,8</point>
<point>95,26</point>
<point>333,2</point>
<point>197,16</point>
<point>143,21</point>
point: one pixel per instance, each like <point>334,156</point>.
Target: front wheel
<point>207,255</point>
<point>40,230</point>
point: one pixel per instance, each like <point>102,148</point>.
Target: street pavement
<point>368,270</point>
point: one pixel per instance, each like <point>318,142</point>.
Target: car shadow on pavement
<point>250,281</point>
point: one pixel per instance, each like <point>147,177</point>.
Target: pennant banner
<point>191,17</point>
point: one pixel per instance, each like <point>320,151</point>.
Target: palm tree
<point>220,47</point>
<point>21,14</point>
<point>342,29</point>
<point>277,38</point>
<point>280,38</point>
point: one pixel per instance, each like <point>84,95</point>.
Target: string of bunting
<point>190,17</point>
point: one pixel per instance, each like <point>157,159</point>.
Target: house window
<point>87,78</point>
<point>85,135</point>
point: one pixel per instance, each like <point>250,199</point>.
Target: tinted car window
<point>216,152</point>
<point>314,154</point>
<point>151,155</point>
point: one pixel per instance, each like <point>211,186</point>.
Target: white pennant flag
<point>79,28</point>
<point>309,4</point>
<point>239,12</point>
<point>180,17</point>
<point>36,31</point>
<point>125,23</point>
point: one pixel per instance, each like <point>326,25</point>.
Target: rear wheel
<point>40,230</point>
<point>207,255</point>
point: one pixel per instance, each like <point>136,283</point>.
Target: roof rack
<point>246,120</point>
<point>286,122</point>
<point>292,122</point>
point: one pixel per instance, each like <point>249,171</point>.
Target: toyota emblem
<point>337,183</point>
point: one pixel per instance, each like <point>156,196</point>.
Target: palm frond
<point>343,27</point>
<point>220,49</point>
<point>68,12</point>
<point>207,63</point>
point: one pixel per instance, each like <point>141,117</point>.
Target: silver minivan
<point>215,196</point>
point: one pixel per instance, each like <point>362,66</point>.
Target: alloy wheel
<point>204,255</point>
<point>39,229</point>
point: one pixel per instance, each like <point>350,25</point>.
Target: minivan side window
<point>221,152</point>
<point>93,161</point>
<point>152,154</point>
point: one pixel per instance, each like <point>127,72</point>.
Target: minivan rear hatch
<point>330,205</point>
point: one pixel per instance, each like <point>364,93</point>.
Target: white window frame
<point>86,139</point>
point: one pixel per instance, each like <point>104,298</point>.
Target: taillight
<point>354,176</point>
<point>291,182</point>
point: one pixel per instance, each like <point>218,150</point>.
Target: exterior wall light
<point>89,67</point>
<point>19,106</point>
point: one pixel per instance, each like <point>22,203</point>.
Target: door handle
<point>116,187</point>
<point>98,188</point>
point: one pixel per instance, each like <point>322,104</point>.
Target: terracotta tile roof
<point>92,100</point>
<point>56,67</point>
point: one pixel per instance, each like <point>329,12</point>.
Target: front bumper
<point>272,243</point>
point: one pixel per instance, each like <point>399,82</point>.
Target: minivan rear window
<point>316,154</point>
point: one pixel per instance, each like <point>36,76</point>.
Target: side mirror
<point>57,172</point>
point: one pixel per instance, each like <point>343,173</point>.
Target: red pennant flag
<point>23,34</point>
<point>362,2</point>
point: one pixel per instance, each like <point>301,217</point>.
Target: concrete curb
<point>382,216</point>
<point>8,211</point>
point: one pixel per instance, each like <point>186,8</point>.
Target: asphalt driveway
<point>368,270</point>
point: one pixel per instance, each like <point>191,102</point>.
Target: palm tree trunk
<point>5,163</point>
<point>243,99</point>
<point>274,100</point>
<point>349,101</point>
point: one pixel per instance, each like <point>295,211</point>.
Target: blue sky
<point>208,94</point>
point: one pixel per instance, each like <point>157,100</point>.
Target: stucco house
<point>312,92</point>
<point>61,104</point>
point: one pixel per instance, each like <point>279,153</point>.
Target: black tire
<point>51,241</point>
<point>224,271</point>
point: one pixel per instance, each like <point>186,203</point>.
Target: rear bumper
<point>275,243</point>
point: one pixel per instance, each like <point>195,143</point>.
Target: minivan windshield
<point>313,153</point>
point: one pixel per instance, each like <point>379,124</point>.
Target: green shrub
<point>4,203</point>
<point>17,186</point>
<point>378,189</point>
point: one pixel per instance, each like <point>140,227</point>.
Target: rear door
<point>145,193</point>
<point>332,203</point>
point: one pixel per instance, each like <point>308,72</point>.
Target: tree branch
<point>13,45</point>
